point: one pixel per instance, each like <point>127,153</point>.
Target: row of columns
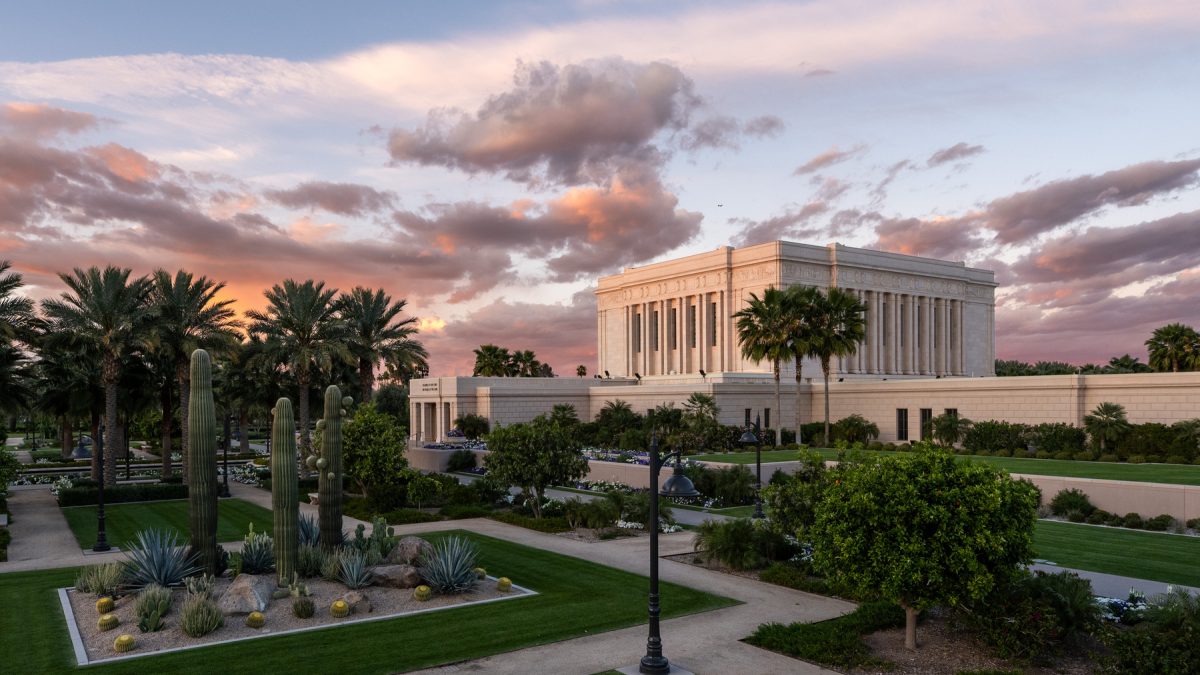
<point>430,421</point>
<point>673,352</point>
<point>909,334</point>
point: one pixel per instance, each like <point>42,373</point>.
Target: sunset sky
<point>488,161</point>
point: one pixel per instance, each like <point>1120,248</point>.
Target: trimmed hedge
<point>137,492</point>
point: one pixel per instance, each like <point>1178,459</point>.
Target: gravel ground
<point>385,602</point>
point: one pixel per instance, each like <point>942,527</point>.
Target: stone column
<point>889,333</point>
<point>926,335</point>
<point>906,333</point>
<point>914,350</point>
<point>957,323</point>
<point>876,333</point>
<point>944,336</point>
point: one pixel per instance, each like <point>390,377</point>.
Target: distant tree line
<point>1172,348</point>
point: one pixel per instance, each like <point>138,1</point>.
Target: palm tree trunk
<point>366,379</point>
<point>243,434</point>
<point>168,414</point>
<point>778,408</point>
<point>305,442</point>
<point>799,405</point>
<point>67,444</point>
<point>110,424</point>
<point>183,373</point>
<point>95,435</point>
<point>825,371</point>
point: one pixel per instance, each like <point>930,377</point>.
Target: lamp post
<point>101,538</point>
<point>678,485</point>
<point>752,437</point>
<point>225,487</point>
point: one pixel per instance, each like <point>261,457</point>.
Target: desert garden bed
<point>93,645</point>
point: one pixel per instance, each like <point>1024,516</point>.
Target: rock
<point>397,576</point>
<point>359,604</point>
<point>248,593</point>
<point>408,550</point>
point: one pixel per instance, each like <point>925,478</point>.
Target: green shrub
<point>473,426</point>
<point>310,560</point>
<point>1167,641</point>
<point>731,542</point>
<point>549,525</point>
<point>1194,523</point>
<point>1160,523</point>
<point>1178,459</point>
<point>101,580</point>
<point>461,460</point>
<point>203,584</point>
<point>136,492</point>
<point>836,642</point>
<point>1057,437</point>
<point>1099,517</point>
<point>1115,520</point>
<point>1076,516</point>
<point>200,616</point>
<point>1042,454</point>
<point>1065,455</point>
<point>463,511</point>
<point>595,514</point>
<point>451,567</point>
<point>1033,616</point>
<point>1083,456</point>
<point>1136,459</point>
<point>151,606</point>
<point>1070,500</point>
<point>994,436</point>
<point>1108,457</point>
<point>1133,520</point>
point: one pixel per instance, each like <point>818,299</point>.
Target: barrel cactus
<point>480,573</point>
<point>503,584</point>
<point>329,483</point>
<point>124,643</point>
<point>422,593</point>
<point>202,466</point>
<point>105,605</point>
<point>256,620</point>
<point>303,607</point>
<point>108,622</point>
<point>284,490</point>
<point>340,609</point>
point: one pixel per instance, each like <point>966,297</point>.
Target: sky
<point>488,161</point>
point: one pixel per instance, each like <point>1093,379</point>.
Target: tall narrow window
<point>926,418</point>
<point>691,323</point>
<point>712,324</point>
<point>637,332</point>
<point>902,424</point>
<point>671,329</point>
<point>951,412</point>
<point>654,329</point>
<point>766,418</point>
<point>747,417</point>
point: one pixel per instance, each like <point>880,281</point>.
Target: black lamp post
<point>225,487</point>
<point>748,438</point>
<point>101,538</point>
<point>678,485</point>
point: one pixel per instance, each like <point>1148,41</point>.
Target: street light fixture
<point>748,438</point>
<point>101,538</point>
<point>678,485</point>
<point>225,488</point>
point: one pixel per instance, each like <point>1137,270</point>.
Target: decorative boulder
<point>408,550</point>
<point>397,576</point>
<point>358,601</point>
<point>248,593</point>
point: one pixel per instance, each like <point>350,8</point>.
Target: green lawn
<point>1143,555</point>
<point>1179,474</point>
<point>122,521</point>
<point>576,598</point>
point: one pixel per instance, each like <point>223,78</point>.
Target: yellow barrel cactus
<point>503,584</point>
<point>340,609</point>
<point>422,593</point>
<point>108,622</point>
<point>124,643</point>
<point>480,573</point>
<point>105,605</point>
<point>256,620</point>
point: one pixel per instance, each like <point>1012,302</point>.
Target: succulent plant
<point>284,491</point>
<point>108,622</point>
<point>124,643</point>
<point>340,609</point>
<point>480,573</point>
<point>304,607</point>
<point>354,570</point>
<point>422,593</point>
<point>202,465</point>
<point>151,623</point>
<point>308,532</point>
<point>158,557</point>
<point>105,605</point>
<point>450,568</point>
<point>281,593</point>
<point>256,620</point>
<point>329,483</point>
<point>200,616</point>
<point>201,585</point>
<point>258,552</point>
<point>153,600</point>
<point>503,584</point>
<point>107,579</point>
<point>297,589</point>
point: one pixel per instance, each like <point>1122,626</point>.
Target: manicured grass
<point>576,598</point>
<point>1143,555</point>
<point>1178,474</point>
<point>122,521</point>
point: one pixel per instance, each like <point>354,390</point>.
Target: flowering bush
<point>246,474</point>
<point>63,483</point>
<point>1127,611</point>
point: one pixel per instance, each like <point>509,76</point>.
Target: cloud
<point>793,223</point>
<point>1025,215</point>
<point>345,199</point>
<point>766,126</point>
<point>945,238</point>
<point>953,153</point>
<point>827,159</point>
<point>37,120</point>
<point>570,124</point>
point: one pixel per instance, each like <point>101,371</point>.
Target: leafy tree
<point>856,429</point>
<point>793,500</point>
<point>838,328</point>
<point>948,430</point>
<point>1174,347</point>
<point>923,529</point>
<point>392,399</point>
<point>473,426</point>
<point>109,312</point>
<point>581,371</point>
<point>302,327</point>
<point>763,330</point>
<point>373,445</point>
<point>10,468</point>
<point>422,489</point>
<point>800,305</point>
<point>534,456</point>
<point>1106,423</point>
<point>377,334</point>
<point>493,361</point>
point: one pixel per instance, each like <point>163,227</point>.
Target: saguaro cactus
<point>284,490</point>
<point>329,468</point>
<point>202,465</point>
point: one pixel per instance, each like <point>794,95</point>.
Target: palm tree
<point>564,415</point>
<point>701,405</point>
<point>763,329</point>
<point>16,313</point>
<point>525,364</point>
<point>1106,423</point>
<point>16,383</point>
<point>1174,347</point>
<point>581,371</point>
<point>302,327</point>
<point>949,429</point>
<point>492,361</point>
<point>378,334</point>
<point>837,330</point>
<point>1126,364</point>
<point>800,303</point>
<point>187,317</point>
<point>253,385</point>
<point>110,312</point>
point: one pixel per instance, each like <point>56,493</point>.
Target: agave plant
<point>258,553</point>
<point>158,557</point>
<point>451,566</point>
<point>354,571</point>
<point>308,531</point>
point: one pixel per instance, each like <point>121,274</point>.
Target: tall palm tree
<point>492,361</point>
<point>16,381</point>
<point>763,328</point>
<point>525,364</point>
<point>253,384</point>
<point>949,429</point>
<point>187,317</point>
<point>799,305</point>
<point>68,382</point>
<point>838,329</point>
<point>1106,423</point>
<point>581,371</point>
<point>378,334</point>
<point>1126,364</point>
<point>109,311</point>
<point>302,326</point>
<point>16,312</point>
<point>1174,347</point>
